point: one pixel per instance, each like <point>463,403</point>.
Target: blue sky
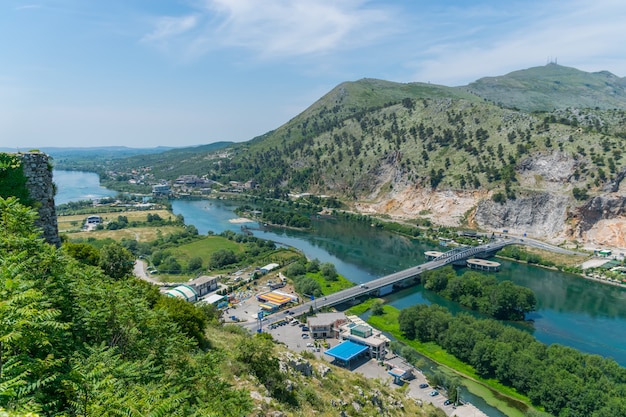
<point>144,73</point>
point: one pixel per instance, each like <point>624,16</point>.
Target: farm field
<point>140,234</point>
<point>75,222</point>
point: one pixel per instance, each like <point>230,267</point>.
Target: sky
<point>147,73</point>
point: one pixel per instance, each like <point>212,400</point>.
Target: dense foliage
<point>75,341</point>
<point>12,179</point>
<point>483,293</point>
<point>566,382</point>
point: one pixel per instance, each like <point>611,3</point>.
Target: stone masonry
<point>38,172</point>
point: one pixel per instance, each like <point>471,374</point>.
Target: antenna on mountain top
<point>551,61</point>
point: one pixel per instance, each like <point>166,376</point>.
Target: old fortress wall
<point>38,172</point>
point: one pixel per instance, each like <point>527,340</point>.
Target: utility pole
<point>260,315</point>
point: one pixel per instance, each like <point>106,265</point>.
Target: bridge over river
<point>374,286</point>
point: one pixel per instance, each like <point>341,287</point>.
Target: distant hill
<point>95,158</point>
<point>120,151</point>
<point>552,87</point>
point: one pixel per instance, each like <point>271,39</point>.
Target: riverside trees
<point>483,293</point>
<point>563,380</point>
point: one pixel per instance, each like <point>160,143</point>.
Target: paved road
<point>139,270</point>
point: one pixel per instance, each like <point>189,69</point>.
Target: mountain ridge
<point>417,151</point>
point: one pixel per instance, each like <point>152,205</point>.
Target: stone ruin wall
<point>38,173</point>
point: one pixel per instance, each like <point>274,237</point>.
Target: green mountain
<point>478,155</point>
<point>552,87</point>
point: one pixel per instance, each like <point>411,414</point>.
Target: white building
<point>357,331</point>
<point>326,325</point>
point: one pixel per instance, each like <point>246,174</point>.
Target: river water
<point>77,186</point>
<point>571,311</point>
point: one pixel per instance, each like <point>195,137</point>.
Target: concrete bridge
<point>372,287</point>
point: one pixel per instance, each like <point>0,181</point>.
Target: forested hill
<point>402,149</point>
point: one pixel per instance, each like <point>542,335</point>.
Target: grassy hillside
<point>552,87</point>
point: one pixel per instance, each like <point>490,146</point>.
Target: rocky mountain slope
<point>537,151</point>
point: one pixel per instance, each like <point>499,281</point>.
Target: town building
<point>267,268</point>
<point>215,299</point>
<point>359,332</point>
<point>359,340</point>
<point>326,325</point>
<point>204,285</point>
<point>161,190</point>
<point>93,220</point>
<point>185,292</point>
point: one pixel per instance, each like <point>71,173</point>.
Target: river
<point>77,185</point>
<point>571,311</point>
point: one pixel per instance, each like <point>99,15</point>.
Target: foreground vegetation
<point>89,340</point>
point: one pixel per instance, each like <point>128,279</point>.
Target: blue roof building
<point>347,351</point>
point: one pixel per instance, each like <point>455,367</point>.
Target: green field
<point>76,221</point>
<point>140,234</point>
<point>205,248</point>
<point>330,287</point>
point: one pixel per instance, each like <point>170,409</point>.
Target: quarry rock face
<point>541,214</point>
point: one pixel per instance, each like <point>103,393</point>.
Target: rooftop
<point>323,319</point>
<point>346,351</point>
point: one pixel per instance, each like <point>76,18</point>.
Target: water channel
<point>571,311</point>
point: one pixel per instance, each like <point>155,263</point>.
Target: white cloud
<point>275,28</point>
<point>28,6</point>
<point>167,28</point>
<point>581,34</point>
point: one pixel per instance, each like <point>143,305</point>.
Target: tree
<point>191,320</point>
<point>307,285</point>
<point>328,271</point>
<point>295,269</point>
<point>194,264</point>
<point>377,308</point>
<point>499,197</point>
<point>580,193</point>
<point>171,265</point>
<point>116,261</point>
<point>83,252</point>
<point>313,265</point>
<point>222,258</point>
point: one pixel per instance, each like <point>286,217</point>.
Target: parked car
<point>305,329</point>
<point>423,385</point>
<point>447,402</point>
<point>434,393</point>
